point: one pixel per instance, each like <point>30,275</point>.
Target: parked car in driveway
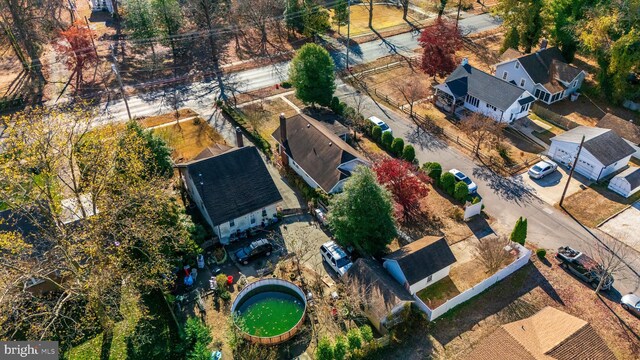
<point>631,303</point>
<point>542,169</point>
<point>337,258</point>
<point>383,125</point>
<point>460,176</point>
<point>583,267</point>
<point>254,250</point>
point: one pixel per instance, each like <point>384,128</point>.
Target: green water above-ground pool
<point>269,314</point>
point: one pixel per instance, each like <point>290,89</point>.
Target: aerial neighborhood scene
<point>320,179</point>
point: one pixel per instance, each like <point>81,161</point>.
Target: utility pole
<point>573,167</point>
<point>114,68</point>
<point>348,32</point>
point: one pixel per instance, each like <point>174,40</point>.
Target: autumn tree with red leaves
<point>78,50</point>
<point>406,184</point>
<point>439,43</point>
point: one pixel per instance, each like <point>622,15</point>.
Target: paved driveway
<point>625,225</point>
<point>550,188</point>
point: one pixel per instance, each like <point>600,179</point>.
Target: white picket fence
<point>523,258</point>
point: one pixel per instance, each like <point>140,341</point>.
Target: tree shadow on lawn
<point>632,337</point>
<point>425,140</point>
<point>479,226</point>
<point>503,296</point>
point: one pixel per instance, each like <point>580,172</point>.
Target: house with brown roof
<point>545,73</point>
<point>626,129</point>
<point>383,299</point>
<point>549,334</point>
<point>314,152</point>
<point>421,263</point>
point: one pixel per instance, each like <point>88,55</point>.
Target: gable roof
<point>423,257</point>
<point>381,292</point>
<point>549,334</point>
<point>625,129</point>
<point>213,150</point>
<point>544,66</point>
<point>604,144</point>
<point>632,175</point>
<point>467,80</point>
<point>317,150</point>
<point>234,183</point>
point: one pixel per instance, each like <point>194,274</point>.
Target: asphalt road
<point>505,199</point>
<point>201,97</point>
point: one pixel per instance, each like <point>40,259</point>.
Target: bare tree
<point>613,258</point>
<point>480,129</point>
<point>411,90</point>
<point>258,14</point>
<point>492,254</point>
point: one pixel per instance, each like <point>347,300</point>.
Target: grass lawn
<point>152,121</point>
<point>595,204</point>
<point>142,334</point>
<point>438,293</point>
<point>384,16</point>
<point>265,116</point>
<point>188,138</point>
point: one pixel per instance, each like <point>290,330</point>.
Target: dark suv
<point>584,267</point>
<point>255,249</point>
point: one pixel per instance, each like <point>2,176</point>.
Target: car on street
<point>257,248</point>
<point>631,303</point>
<point>584,267</point>
<point>335,257</point>
<point>383,125</point>
<point>542,169</point>
<point>460,176</point>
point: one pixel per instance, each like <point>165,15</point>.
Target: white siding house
<point>545,74</point>
<point>421,263</point>
<point>102,5</point>
<point>603,152</point>
<point>321,158</point>
<point>474,90</point>
<point>233,191</point>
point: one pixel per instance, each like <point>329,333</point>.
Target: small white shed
<point>627,182</point>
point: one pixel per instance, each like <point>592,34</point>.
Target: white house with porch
<point>474,90</point>
<point>102,5</point>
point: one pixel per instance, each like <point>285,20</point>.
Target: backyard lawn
<point>438,293</point>
<point>188,138</point>
<point>265,116</point>
<point>595,204</point>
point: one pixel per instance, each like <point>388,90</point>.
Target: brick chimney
<point>283,139</point>
<point>239,140</point>
<point>464,62</point>
<point>283,128</point>
<point>543,44</point>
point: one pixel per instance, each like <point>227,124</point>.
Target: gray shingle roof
<point>466,79</point>
<point>423,257</point>
<point>544,66</point>
<point>234,183</point>
<point>604,144</point>
<point>632,175</point>
<point>317,150</point>
<point>625,129</point>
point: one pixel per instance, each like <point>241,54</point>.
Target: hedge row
<point>249,131</point>
<point>447,182</point>
<point>395,146</point>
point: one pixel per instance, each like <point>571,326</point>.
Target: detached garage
<point>627,182</point>
<point>603,152</point>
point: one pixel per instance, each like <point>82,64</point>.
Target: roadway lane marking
<point>547,210</point>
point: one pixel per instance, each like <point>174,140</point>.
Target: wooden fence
<point>428,125</point>
<point>556,119</point>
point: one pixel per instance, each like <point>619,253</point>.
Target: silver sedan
<point>631,303</point>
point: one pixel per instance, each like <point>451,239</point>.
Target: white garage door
<point>587,169</point>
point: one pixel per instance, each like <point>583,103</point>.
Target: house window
<point>504,75</point>
<point>264,212</point>
<point>538,94</point>
<point>524,108</point>
<point>472,100</point>
<point>232,223</point>
<point>574,83</point>
<point>517,65</point>
<point>522,82</point>
<point>546,97</point>
<point>492,107</point>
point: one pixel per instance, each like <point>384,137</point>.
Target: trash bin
<point>229,280</point>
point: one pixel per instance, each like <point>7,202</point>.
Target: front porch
<point>449,103</point>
